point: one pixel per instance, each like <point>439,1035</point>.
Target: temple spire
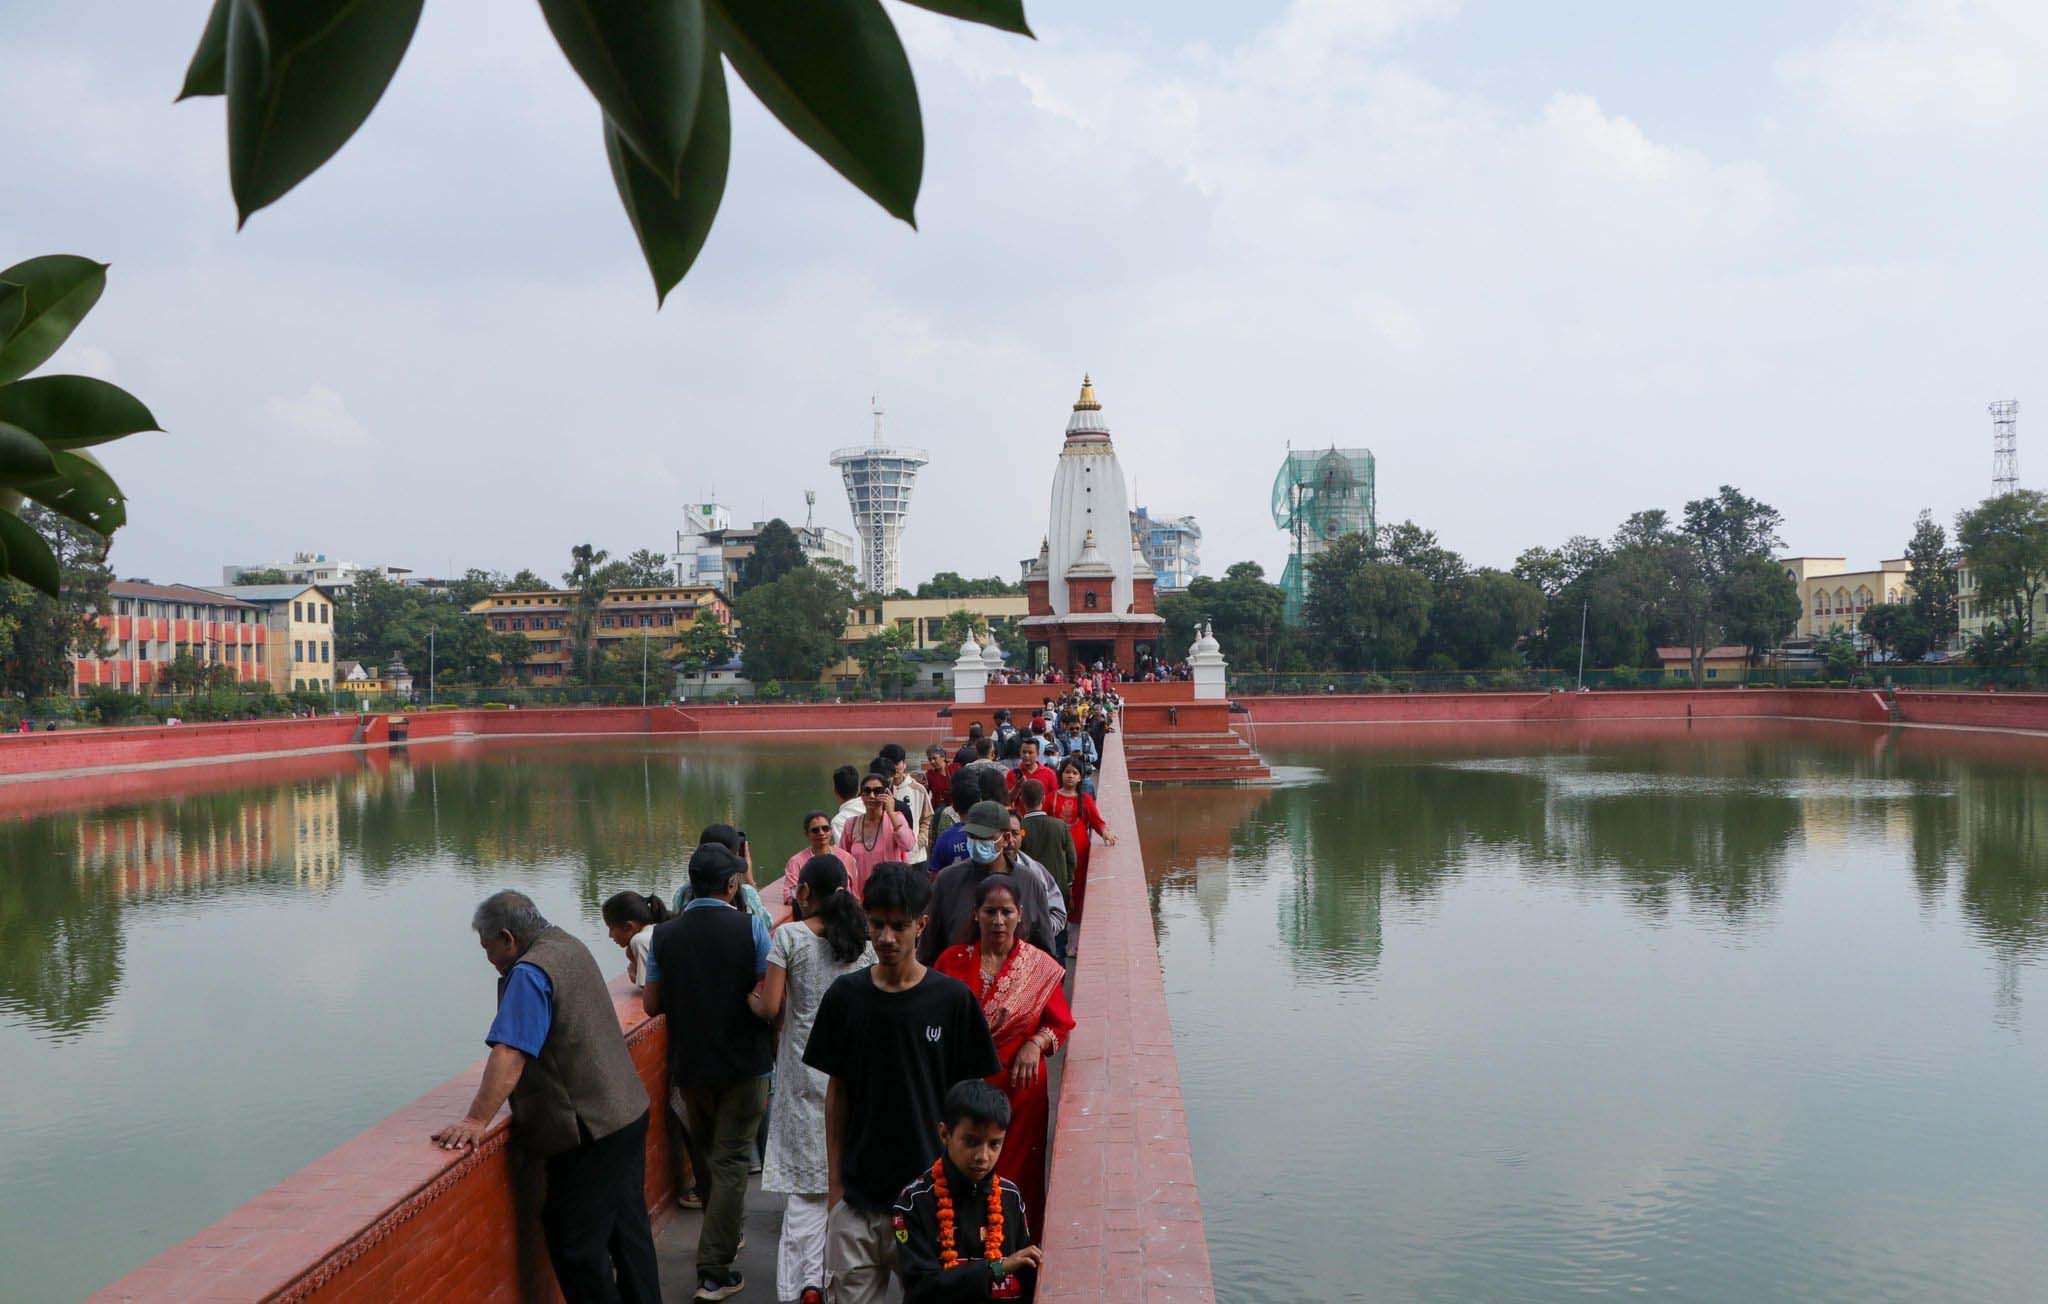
<point>1087,403</point>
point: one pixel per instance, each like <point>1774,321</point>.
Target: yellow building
<point>659,615</point>
<point>925,618</point>
<point>1830,594</point>
<point>1724,664</point>
<point>300,637</point>
<point>1973,612</point>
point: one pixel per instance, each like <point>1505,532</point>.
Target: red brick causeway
<point>1123,1218</point>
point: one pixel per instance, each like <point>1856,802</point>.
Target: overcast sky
<point>1552,263</point>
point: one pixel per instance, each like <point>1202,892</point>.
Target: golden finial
<point>1087,403</point>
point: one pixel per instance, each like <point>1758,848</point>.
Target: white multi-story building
<point>1172,546</point>
<point>711,549</point>
<point>315,568</point>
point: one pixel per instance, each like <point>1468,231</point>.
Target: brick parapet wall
<point>1123,1216</point>
<point>1651,704</point>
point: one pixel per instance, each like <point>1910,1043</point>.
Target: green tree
<point>1931,588</point>
<point>476,585</point>
<point>1370,614</point>
<point>1758,604</point>
<point>647,569</point>
<point>1250,616</point>
<point>1408,544</point>
<point>2005,540</point>
<point>955,629</point>
<point>1837,651</point>
<point>2001,643</point>
<point>1889,625</point>
<point>586,580</point>
<point>790,629</point>
<point>1481,617</point>
<point>884,658</point>
<point>777,552</point>
<point>364,613</point>
<point>262,575</point>
<point>951,584</point>
<point>46,633</point>
<point>704,646</point>
<point>835,75</point>
<point>527,581</point>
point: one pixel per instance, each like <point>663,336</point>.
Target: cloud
<point>318,418</point>
<point>1930,64</point>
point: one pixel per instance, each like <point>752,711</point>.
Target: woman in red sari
<point>1077,808</point>
<point>1019,987</point>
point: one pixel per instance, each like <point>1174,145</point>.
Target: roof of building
<point>173,593</point>
<point>1089,565</point>
<point>1726,652</point>
<point>265,593</point>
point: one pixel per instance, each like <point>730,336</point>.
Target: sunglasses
<point>872,792</point>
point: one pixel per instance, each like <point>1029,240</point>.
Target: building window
<point>1089,601</point>
<point>518,623</point>
<point>298,611</point>
<point>326,654</point>
<point>298,649</point>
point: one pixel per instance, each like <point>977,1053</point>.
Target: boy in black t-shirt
<point>893,1039</point>
<point>977,1117</point>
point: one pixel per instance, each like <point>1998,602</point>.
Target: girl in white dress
<point>827,939</point>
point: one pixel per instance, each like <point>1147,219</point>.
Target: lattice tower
<point>2005,446</point>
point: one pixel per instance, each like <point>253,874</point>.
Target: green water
<point>1734,1013</point>
<point>201,993</point>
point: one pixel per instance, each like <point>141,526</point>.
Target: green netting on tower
<point>1320,496</point>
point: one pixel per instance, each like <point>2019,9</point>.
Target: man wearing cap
<point>557,1053</point>
<point>952,909</point>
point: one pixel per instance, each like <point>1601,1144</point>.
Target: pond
<point>202,991</point>
<point>1741,1011</point>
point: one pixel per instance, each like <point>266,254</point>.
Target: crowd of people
<point>1101,675</point>
<point>881,1059</point>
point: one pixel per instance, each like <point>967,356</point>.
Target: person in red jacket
<point>1030,767</point>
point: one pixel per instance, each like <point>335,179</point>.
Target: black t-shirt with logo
<point>896,1054</point>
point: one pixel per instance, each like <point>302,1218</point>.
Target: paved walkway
<point>675,1244</point>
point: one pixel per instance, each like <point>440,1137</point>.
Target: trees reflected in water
<point>611,817</point>
<point>1690,822</point>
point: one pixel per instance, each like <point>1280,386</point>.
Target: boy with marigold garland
<point>960,1229</point>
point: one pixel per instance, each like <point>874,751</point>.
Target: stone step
<point>1196,762</point>
<point>1199,777</point>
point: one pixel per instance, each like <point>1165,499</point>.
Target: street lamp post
<point>1582,646</point>
<point>430,665</point>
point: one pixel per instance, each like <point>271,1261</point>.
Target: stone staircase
<point>1193,758</point>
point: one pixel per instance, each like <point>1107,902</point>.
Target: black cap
<point>987,819</point>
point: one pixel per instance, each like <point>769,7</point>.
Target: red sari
<point>1025,996</point>
<point>1081,815</point>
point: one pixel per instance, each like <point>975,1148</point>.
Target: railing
<point>1274,684</point>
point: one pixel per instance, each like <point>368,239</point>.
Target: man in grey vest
<point>558,1055</point>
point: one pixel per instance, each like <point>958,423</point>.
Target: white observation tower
<point>879,478</point>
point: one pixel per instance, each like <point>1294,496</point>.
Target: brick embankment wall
<point>1861,705</point>
<point>73,749</point>
<point>1123,1217</point>
<point>1976,710</point>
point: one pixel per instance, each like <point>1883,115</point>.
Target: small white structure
<point>970,673</point>
<point>1205,658</point>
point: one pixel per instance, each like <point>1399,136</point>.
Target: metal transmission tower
<point>2005,446</point>
<point>879,478</point>
<point>1319,497</point>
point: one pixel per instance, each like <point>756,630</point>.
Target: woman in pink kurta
<point>817,842</point>
<point>880,834</point>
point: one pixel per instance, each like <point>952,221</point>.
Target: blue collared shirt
<point>526,1010</point>
<point>760,937</point>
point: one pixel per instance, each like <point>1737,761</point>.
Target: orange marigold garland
<point>992,1230</point>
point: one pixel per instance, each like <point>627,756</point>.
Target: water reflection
<point>610,816</point>
<point>1703,821</point>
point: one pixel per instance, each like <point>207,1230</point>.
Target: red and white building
<point>154,624</point>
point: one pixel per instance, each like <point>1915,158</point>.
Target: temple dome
<point>1087,418</point>
<point>1090,565</point>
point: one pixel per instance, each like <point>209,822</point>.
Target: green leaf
<point>57,290</point>
<point>84,492</point>
<point>835,74</point>
<point>302,75</point>
<point>25,556</point>
<point>13,307</point>
<point>1005,14</point>
<point>672,222</point>
<point>73,411</point>
<point>24,459</point>
<point>644,62</point>
<point>207,73</point>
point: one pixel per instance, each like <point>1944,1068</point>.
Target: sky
<point>1551,263</point>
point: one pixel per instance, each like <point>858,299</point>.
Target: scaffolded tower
<point>1318,498</point>
<point>879,478</point>
<point>2005,446</point>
